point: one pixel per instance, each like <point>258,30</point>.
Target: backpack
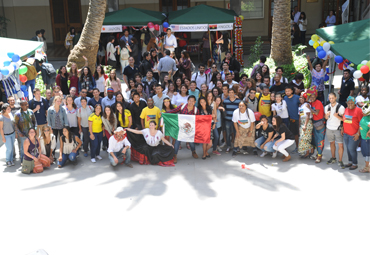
<point>336,111</point>
<point>125,54</point>
<point>192,67</point>
<point>147,38</point>
<point>33,102</point>
<point>196,76</point>
<point>50,70</point>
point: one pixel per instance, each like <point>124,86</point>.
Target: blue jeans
<point>9,145</point>
<point>216,138</point>
<point>230,129</point>
<point>365,149</point>
<point>31,83</point>
<point>119,155</point>
<point>177,146</point>
<point>72,157</point>
<point>21,142</point>
<point>268,146</point>
<point>95,144</point>
<point>351,148</point>
<point>286,122</point>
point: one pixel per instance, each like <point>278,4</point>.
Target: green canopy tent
<point>351,40</point>
<point>132,17</point>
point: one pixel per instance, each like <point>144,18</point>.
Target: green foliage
<point>299,65</point>
<point>40,85</point>
<point>255,52</point>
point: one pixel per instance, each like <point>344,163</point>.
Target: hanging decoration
<point>238,39</point>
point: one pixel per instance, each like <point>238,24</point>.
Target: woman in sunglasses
<point>48,143</point>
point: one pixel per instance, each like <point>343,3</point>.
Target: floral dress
<point>305,137</point>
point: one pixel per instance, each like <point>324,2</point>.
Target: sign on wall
<point>202,27</point>
<point>111,29</point>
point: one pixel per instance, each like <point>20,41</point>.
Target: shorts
<point>294,126</point>
<point>334,136</point>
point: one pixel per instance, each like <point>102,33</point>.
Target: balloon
<point>316,44</point>
<point>124,27</point>
<point>322,43</point>
<point>357,74</point>
<point>23,70</point>
<point>364,69</point>
<point>319,48</point>
<point>15,58</point>
<point>150,24</point>
<point>151,29</point>
<point>330,53</point>
<point>327,69</point>
<point>331,42</point>
<point>314,38</point>
<point>338,59</point>
<point>23,88</point>
<point>10,68</point>
<point>321,54</point>
<point>359,66</point>
<point>156,27</point>
<point>19,62</point>
<point>326,47</point>
<point>257,116</point>
<point>364,62</point>
<point>165,25</point>
<point>241,16</point>
<point>22,78</point>
<point>7,63</point>
<point>16,66</point>
<point>10,54</point>
<point>4,71</point>
<point>310,42</point>
<point>361,79</point>
<point>340,66</point>
<point>326,78</point>
<point>368,63</point>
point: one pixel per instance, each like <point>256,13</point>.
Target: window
<point>173,5</point>
<point>252,9</point>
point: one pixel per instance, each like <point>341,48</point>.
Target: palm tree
<point>89,42</point>
<point>281,49</point>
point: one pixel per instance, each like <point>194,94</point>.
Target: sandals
<point>204,157</point>
<point>365,170</point>
<point>318,159</point>
<point>313,157</point>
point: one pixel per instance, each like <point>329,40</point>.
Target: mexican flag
<point>187,128</point>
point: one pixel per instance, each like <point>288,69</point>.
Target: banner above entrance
<point>111,29</point>
<point>201,27</point>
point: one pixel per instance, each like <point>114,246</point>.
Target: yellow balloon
<point>316,44</point>
<point>322,43</point>
<point>368,63</point>
<point>331,42</point>
<point>242,17</point>
<point>314,38</point>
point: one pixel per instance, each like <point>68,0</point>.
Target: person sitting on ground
<point>48,143</point>
<point>119,147</point>
<point>286,140</point>
<point>69,146</point>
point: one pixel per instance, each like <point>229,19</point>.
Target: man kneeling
<point>119,146</point>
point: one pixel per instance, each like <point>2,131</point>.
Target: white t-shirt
<point>242,118</point>
<point>178,99</point>
<point>100,83</point>
<point>281,109</point>
<point>361,99</point>
<point>333,123</point>
<point>303,110</point>
<point>110,51</point>
<point>231,85</point>
<point>152,140</point>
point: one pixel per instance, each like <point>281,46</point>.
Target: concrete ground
<point>213,206</point>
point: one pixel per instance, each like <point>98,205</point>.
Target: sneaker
<point>219,148</point>
<point>341,164</point>
<point>332,161</point>
<point>11,162</point>
<point>274,154</point>
<point>358,149</point>
<point>243,152</point>
<point>227,149</point>
<point>98,157</point>
<point>295,151</point>
<point>263,154</point>
<point>8,163</point>
<point>234,154</point>
<point>223,145</point>
<point>85,154</point>
<point>93,160</point>
<point>216,153</point>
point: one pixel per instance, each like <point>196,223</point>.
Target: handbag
<point>319,125</point>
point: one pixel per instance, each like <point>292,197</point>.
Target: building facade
<point>57,16</point>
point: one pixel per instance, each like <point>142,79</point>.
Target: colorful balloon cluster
<point>11,65</point>
<point>156,27</point>
<point>322,47</point>
<point>362,68</point>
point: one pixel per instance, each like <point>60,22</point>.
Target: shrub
<point>255,52</point>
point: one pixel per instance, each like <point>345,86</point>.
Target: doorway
<point>64,15</point>
<point>293,3</point>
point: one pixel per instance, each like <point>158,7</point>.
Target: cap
<point>119,129</point>
<point>110,89</point>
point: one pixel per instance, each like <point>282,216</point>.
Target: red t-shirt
<point>351,120</point>
<point>317,105</point>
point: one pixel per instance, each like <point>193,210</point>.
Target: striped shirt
<point>230,107</point>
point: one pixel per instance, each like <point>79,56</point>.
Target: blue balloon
<point>326,78</point>
<point>24,88</point>
<point>327,69</point>
<point>321,54</point>
<point>165,24</point>
<point>4,71</point>
<point>25,93</point>
<point>319,48</point>
<point>10,54</point>
<point>310,42</point>
<point>7,63</point>
<point>338,59</point>
<point>15,58</point>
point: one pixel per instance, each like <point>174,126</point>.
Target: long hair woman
<point>109,121</point>
<point>57,117</point>
<point>71,111</point>
<point>100,78</point>
<point>154,61</point>
<point>86,81</point>
<point>83,114</point>
<point>69,145</point>
<point>205,109</point>
<point>113,82</point>
<point>124,118</point>
<point>184,64</point>
<point>286,138</point>
<point>48,143</point>
<point>96,132</point>
<point>62,79</point>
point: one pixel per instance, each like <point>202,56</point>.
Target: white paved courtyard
<point>200,206</point>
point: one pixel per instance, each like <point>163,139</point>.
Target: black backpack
<point>147,38</point>
<point>50,70</point>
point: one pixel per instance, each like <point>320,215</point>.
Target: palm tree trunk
<point>281,49</point>
<point>89,42</point>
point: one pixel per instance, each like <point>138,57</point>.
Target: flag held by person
<point>188,128</point>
